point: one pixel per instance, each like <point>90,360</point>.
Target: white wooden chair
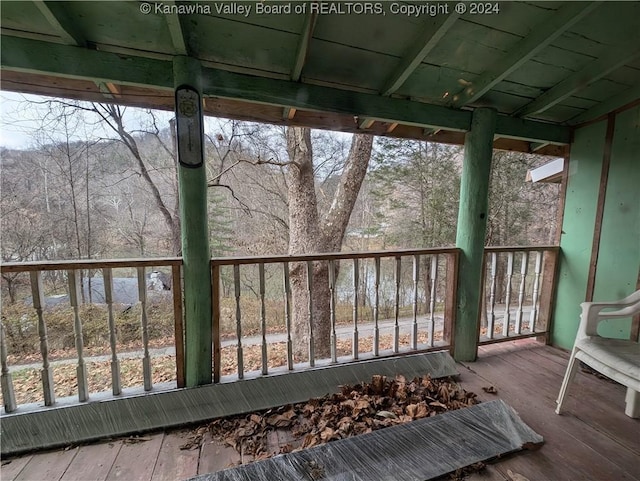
<point>618,359</point>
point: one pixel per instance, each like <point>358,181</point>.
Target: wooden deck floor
<point>594,440</point>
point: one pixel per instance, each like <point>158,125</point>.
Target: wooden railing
<point>379,303</point>
<point>517,293</point>
<point>71,270</point>
<point>410,293</point>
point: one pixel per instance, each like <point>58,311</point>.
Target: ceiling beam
<point>108,89</point>
<point>541,36</point>
<point>175,30</point>
<point>613,103</point>
<point>58,18</point>
<point>365,123</point>
<point>303,45</point>
<point>289,113</point>
<point>301,56</point>
<point>420,48</point>
<point>579,80</point>
<point>60,60</point>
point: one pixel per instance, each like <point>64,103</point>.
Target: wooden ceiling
<point>406,69</point>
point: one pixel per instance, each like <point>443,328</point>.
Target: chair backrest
<point>595,312</point>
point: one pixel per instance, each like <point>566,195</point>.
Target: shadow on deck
<point>593,440</point>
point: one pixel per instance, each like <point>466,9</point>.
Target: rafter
<point>289,113</point>
<point>301,56</point>
<point>420,48</point>
<point>617,101</point>
<point>95,65</point>
<point>108,89</point>
<point>175,30</point>
<point>58,18</point>
<point>579,80</point>
<point>303,45</point>
<point>524,50</point>
<point>365,123</point>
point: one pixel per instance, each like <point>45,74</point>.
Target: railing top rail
<point>222,261</point>
<point>521,248</point>
<point>88,264</point>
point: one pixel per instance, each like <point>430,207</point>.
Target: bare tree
<point>309,232</point>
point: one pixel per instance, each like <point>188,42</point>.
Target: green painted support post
<point>472,224</point>
<point>195,248</point>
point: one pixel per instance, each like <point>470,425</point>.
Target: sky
<point>21,118</point>
<point>14,123</point>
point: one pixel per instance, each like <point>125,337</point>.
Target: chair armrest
<point>592,313</point>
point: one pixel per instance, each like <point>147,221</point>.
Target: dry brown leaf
<point>516,476</point>
<point>490,389</point>
<point>386,414</point>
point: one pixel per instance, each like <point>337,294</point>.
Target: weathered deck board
<point>136,461</point>
<point>92,462</point>
<point>175,463</point>
<point>527,375</point>
<point>575,449</point>
<point>215,457</point>
<point>604,414</point>
<point>11,468</point>
<point>49,466</point>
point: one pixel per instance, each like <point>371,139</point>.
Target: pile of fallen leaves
<point>354,410</point>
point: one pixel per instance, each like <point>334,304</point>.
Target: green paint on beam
<point>617,101</point>
<point>55,14</point>
<point>428,39</point>
<point>195,250</point>
<point>579,80</point>
<point>541,36</point>
<point>471,231</point>
<point>313,97</point>
<point>75,62</point>
<point>303,45</point>
<point>619,253</point>
<point>531,130</point>
<point>585,167</point>
<point>175,30</point>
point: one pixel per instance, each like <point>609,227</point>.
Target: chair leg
<point>633,403</point>
<point>572,368</point>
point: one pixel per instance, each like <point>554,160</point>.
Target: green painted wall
<point>619,253</point>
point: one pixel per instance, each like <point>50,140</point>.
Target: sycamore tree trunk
<point>310,233</point>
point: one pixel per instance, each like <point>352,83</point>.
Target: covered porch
<point>551,78</point>
<point>594,440</point>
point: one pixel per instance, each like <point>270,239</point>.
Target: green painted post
<point>472,224</point>
<point>195,248</point>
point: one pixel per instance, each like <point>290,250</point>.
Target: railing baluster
<point>263,319</point>
<point>8,394</point>
<point>414,325</point>
<point>523,279</point>
<point>144,324</point>
<point>46,373</point>
<point>178,324</point>
<point>433,275</point>
<point>287,313</point>
<point>376,307</point>
<point>81,369</point>
<point>507,301</point>
<point>312,360</point>
<point>533,316</point>
<point>236,284</point>
<point>332,308</point>
<point>492,296</point>
<point>396,326</point>
<point>356,281</point>
<point>107,276</point>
